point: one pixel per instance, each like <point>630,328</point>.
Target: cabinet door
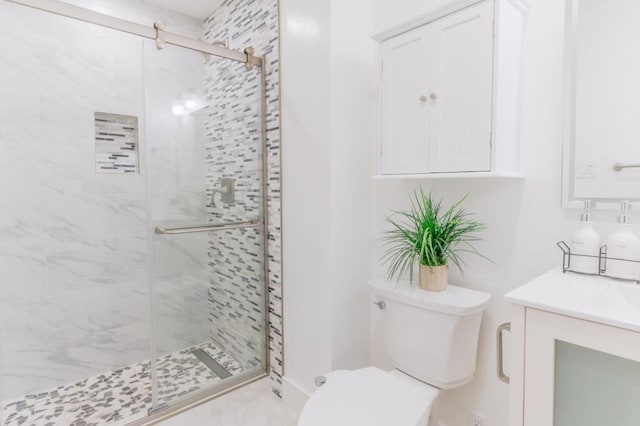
<point>580,373</point>
<point>404,112</point>
<point>461,89</point>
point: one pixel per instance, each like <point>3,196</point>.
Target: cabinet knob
<point>432,96</point>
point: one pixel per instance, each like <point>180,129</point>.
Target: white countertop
<point>599,299</point>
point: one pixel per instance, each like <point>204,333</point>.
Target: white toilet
<point>431,340</point>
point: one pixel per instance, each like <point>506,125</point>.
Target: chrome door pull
<point>500,349</point>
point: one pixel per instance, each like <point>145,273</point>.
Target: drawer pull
<point>500,350</point>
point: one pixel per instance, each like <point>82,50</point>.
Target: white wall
<point>524,217</point>
<point>306,177</point>
<point>353,114</point>
<point>328,103</point>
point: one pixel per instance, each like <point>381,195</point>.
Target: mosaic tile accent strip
<point>119,396</point>
<point>116,143</point>
<point>232,153</point>
<point>237,294</point>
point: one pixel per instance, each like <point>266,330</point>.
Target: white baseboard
<point>293,396</point>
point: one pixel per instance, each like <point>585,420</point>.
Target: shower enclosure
<point>133,205</point>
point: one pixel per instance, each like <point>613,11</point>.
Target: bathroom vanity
<point>575,351</point>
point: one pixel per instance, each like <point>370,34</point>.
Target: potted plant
<point>431,235</point>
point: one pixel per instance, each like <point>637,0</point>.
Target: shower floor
<point>119,396</point>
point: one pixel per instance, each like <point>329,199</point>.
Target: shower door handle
<point>206,228</point>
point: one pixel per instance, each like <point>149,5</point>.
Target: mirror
<point>602,102</point>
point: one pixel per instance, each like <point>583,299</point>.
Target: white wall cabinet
<point>450,91</point>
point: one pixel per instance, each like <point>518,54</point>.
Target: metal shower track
<point>150,32</point>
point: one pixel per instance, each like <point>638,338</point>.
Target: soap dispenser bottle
<point>585,244</point>
<point>623,244</point>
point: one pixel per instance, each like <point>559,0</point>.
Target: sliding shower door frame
<point>228,385</point>
<point>74,12</point>
<point>198,398</point>
<point>157,414</point>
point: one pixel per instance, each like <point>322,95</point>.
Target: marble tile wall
<point>144,12</point>
<point>233,150</point>
<point>177,195</point>
<point>74,296</point>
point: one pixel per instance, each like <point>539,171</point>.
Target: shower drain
<point>213,365</point>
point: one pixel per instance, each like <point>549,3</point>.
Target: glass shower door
<point>206,197</point>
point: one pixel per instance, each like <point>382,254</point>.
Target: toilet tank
<point>432,336</point>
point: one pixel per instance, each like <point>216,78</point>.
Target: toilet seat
<point>371,397</point>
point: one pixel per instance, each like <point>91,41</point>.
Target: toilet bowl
<point>369,397</point>
<point>431,340</point>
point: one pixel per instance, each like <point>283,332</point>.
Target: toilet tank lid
<point>454,300</point>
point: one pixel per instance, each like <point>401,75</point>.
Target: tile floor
<point>251,405</point>
<point>118,396</point>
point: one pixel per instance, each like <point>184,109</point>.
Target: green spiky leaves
<point>429,234</point>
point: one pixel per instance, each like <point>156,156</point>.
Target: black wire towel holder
<point>602,261</point>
